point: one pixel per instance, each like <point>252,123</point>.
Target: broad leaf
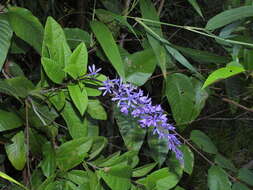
<point>5,38</point>
<point>229,16</point>
<point>218,179</point>
<point>9,120</point>
<point>108,44</point>
<point>203,141</point>
<point>77,66</point>
<point>26,26</point>
<point>72,153</point>
<point>96,110</point>
<point>223,73</point>
<point>79,97</point>
<point>16,151</point>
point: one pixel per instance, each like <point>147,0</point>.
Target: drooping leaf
<point>72,153</point>
<point>77,126</point>
<point>148,11</point>
<point>9,120</point>
<point>16,151</point>
<point>131,132</point>
<point>78,62</point>
<point>229,16</point>
<point>5,38</point>
<point>75,36</point>
<point>203,141</point>
<point>10,179</point>
<point>79,97</point>
<point>96,110</point>
<point>117,177</point>
<point>26,26</point>
<point>223,73</point>
<point>218,179</point>
<point>196,6</point>
<point>108,44</point>
<point>188,157</point>
<point>48,164</point>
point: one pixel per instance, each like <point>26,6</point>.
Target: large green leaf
<point>48,164</point>
<point>75,36</point>
<point>203,141</point>
<point>108,44</point>
<point>78,62</point>
<point>139,66</point>
<point>148,11</point>
<point>55,45</point>
<point>26,26</point>
<point>96,110</point>
<point>16,151</point>
<point>223,73</point>
<point>117,177</point>
<point>77,125</point>
<point>185,97</point>
<point>10,179</point>
<point>9,120</point>
<point>133,135</point>
<point>229,16</point>
<point>79,97</point>
<point>218,179</point>
<point>72,153</point>
<point>5,38</point>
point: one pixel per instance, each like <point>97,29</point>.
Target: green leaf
<point>246,175</point>
<point>223,73</point>
<point>9,120</point>
<point>224,162</point>
<point>72,153</point>
<point>188,157</point>
<point>48,164</point>
<point>79,97</point>
<point>5,38</point>
<point>229,16</point>
<point>75,36</point>
<point>77,125</point>
<point>218,179</point>
<point>148,11</point>
<point>78,62</point>
<point>248,59</point>
<point>105,38</point>
<point>158,147</point>
<point>139,66</point>
<point>196,6</point>
<point>58,99</point>
<point>203,141</point>
<point>16,151</point>
<point>99,143</point>
<point>117,177</point>
<point>133,135</point>
<point>26,26</point>
<point>96,110</point>
<point>239,186</point>
<point>10,179</point>
<point>53,70</point>
<point>55,45</point>
<point>143,170</point>
<point>79,177</point>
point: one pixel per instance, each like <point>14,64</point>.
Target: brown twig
<point>160,8</point>
<point>237,104</point>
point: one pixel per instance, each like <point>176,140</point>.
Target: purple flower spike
<point>93,71</point>
<point>131,101</point>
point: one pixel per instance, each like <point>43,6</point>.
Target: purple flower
<point>93,71</point>
<point>131,100</point>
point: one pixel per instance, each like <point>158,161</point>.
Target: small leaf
<point>246,175</point>
<point>53,70</point>
<point>9,120</point>
<point>222,73</point>
<point>16,151</point>
<point>188,157</point>
<point>229,16</point>
<point>143,170</point>
<point>96,110</point>
<point>108,44</point>
<point>79,97</point>
<point>218,179</point>
<point>203,141</point>
<point>10,179</point>
<point>26,26</point>
<point>78,62</point>
<point>72,153</point>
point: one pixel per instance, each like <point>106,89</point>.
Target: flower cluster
<point>131,100</point>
